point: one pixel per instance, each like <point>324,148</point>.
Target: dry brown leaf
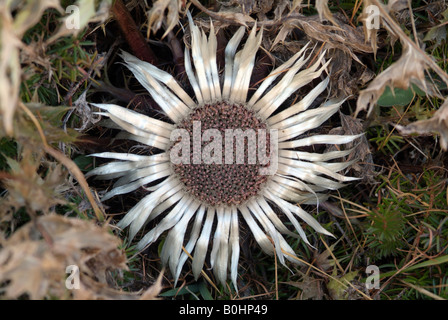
<point>311,288</point>
<point>258,8</point>
<point>324,11</point>
<point>79,15</point>
<point>364,165</point>
<point>342,37</point>
<point>285,29</point>
<point>410,68</point>
<point>26,187</point>
<point>237,18</point>
<point>280,8</point>
<point>372,19</point>
<point>34,259</point>
<point>368,18</point>
<point>324,260</point>
<point>346,75</point>
<point>343,42</point>
<point>156,15</point>
<point>226,16</point>
<point>29,270</point>
<point>437,124</point>
<point>397,5</point>
<point>296,4</point>
<point>152,292</point>
<point>35,53</point>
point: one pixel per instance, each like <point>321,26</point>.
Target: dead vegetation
<point>51,216</point>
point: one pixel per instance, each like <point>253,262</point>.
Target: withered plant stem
<point>133,36</point>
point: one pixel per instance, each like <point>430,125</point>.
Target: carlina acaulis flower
<point>225,156</point>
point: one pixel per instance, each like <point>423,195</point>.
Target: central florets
<point>223,166</point>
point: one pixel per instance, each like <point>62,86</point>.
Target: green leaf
<point>398,97</point>
<point>427,263</point>
<point>193,288</point>
<point>8,149</point>
<point>84,163</point>
<point>205,293</point>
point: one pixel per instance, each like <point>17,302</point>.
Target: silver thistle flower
<point>204,193</point>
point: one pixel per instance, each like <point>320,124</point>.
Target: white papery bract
<point>301,178</point>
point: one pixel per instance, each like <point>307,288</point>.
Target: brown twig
<point>178,54</point>
<point>133,36</point>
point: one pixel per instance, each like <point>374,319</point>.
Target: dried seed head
<point>234,176</point>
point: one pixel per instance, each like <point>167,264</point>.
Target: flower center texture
<point>226,147</point>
